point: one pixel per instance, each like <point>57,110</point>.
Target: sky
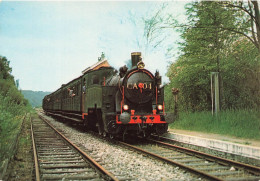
<point>50,43</point>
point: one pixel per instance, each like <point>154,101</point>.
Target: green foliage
<point>7,84</point>
<point>168,98</point>
<point>5,70</point>
<point>238,123</point>
<point>11,116</point>
<point>241,75</point>
<point>208,47</point>
<point>13,107</point>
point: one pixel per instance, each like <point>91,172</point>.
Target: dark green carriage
<point>94,81</point>
<point>71,96</point>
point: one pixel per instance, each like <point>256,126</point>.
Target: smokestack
<point>135,57</point>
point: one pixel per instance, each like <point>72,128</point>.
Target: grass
<point>11,117</point>
<point>237,123</point>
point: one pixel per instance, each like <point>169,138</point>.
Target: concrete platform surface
<point>243,147</point>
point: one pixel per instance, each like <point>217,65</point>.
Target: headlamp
<point>160,107</point>
<point>125,107</point>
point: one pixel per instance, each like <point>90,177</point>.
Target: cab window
<point>95,79</point>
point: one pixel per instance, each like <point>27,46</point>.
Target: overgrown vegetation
<point>13,108</point>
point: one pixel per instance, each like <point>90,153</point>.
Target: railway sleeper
<point>48,145</point>
<point>52,149</point>
<point>47,138</point>
<point>49,141</point>
<point>46,132</point>
<point>59,156</point>
<point>52,142</point>
<point>224,173</point>
<point>55,151</point>
<point>214,168</point>
<point>59,159</point>
<point>172,154</point>
<point>64,166</point>
<point>188,161</point>
<point>178,157</point>
<point>60,171</point>
<point>158,151</point>
<point>199,164</point>
<point>65,161</point>
<point>70,177</point>
<point>61,153</point>
<point>176,154</point>
<point>48,135</point>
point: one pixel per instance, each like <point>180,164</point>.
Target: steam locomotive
<point>114,103</point>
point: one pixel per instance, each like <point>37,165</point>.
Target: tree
<point>246,14</point>
<point>208,47</point>
<point>8,88</point>
<point>203,47</point>
<point>153,33</point>
<point>241,75</point>
<point>249,24</point>
<point>5,70</point>
<point>151,37</point>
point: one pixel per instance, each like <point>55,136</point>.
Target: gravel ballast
<point>119,160</point>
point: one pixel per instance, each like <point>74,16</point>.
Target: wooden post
<point>175,92</point>
<point>215,92</point>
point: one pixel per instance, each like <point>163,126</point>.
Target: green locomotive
<point>115,103</point>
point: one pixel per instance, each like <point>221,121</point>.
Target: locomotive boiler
<point>130,101</point>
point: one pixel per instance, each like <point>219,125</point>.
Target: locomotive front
<point>142,102</point>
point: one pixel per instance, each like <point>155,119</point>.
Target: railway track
<point>201,164</point>
<point>207,166</point>
<point>56,158</point>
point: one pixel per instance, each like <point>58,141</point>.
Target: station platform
<point>231,145</point>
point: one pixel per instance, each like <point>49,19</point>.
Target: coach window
<point>78,88</point>
<point>75,89</point>
<point>84,86</point>
<point>95,79</point>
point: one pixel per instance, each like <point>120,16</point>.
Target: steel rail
<point>211,177</point>
<point>92,161</point>
<point>37,172</point>
<point>250,168</point>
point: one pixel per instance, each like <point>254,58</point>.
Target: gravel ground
<point>121,161</point>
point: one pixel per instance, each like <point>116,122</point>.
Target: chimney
<point>135,57</point>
